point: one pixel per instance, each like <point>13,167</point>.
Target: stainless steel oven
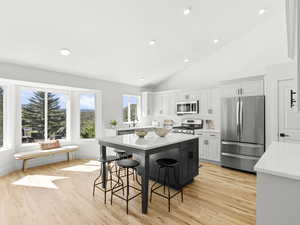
<point>191,107</point>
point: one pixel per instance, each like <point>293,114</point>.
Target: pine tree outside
<point>34,116</point>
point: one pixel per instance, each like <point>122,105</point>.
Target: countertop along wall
<point>111,102</point>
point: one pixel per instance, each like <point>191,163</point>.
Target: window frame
<point>68,112</point>
<point>97,116</point>
<point>5,117</point>
<point>139,114</point>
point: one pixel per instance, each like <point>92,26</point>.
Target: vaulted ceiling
<point>110,39</point>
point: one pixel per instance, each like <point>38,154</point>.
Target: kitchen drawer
<point>240,162</point>
<point>242,149</point>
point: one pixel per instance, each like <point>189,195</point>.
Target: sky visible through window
<point>87,101</point>
<point>26,95</point>
<point>131,99</point>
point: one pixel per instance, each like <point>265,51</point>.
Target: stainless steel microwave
<point>191,107</point>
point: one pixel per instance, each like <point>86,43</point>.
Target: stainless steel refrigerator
<point>242,131</point>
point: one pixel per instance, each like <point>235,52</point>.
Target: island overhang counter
<point>182,147</point>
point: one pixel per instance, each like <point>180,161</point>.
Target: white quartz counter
<point>281,159</point>
<point>134,128</point>
<point>151,140</point>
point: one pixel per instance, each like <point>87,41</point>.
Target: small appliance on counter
<point>189,126</point>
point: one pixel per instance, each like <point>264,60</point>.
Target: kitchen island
<point>182,147</point>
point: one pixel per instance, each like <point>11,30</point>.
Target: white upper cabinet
<point>160,103</point>
<point>208,101</point>
<point>169,103</point>
<point>147,104</point>
<point>184,96</point>
<point>164,103</point>
<point>245,88</point>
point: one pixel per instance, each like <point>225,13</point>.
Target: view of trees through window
<point>87,115</point>
<point>1,117</point>
<point>130,108</point>
<point>43,116</point>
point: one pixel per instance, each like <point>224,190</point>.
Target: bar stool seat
<point>108,159</point>
<point>122,153</point>
<point>128,163</point>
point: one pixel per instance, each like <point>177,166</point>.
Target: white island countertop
<point>150,141</point>
<point>281,159</point>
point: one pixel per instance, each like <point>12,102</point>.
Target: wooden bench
<point>25,156</point>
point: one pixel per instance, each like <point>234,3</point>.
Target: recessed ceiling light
<point>186,60</point>
<point>65,52</point>
<point>187,11</point>
<point>152,42</point>
<point>142,79</point>
<point>261,11</point>
<point>216,41</point>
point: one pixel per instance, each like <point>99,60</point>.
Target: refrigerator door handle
<point>241,117</point>
<point>237,118</point>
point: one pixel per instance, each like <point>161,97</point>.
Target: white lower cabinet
<point>209,146</point>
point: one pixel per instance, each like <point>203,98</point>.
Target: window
<point>1,117</point>
<point>44,115</point>
<point>87,115</point>
<point>131,108</point>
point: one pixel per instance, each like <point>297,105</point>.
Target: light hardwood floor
<point>218,196</point>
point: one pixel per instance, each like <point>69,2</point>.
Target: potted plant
<point>113,123</point>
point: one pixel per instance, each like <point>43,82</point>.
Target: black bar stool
<point>126,164</point>
<point>107,161</point>
<point>167,165</point>
<point>122,155</point>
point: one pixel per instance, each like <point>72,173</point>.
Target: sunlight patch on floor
<point>92,163</point>
<point>42,181</point>
<point>82,168</point>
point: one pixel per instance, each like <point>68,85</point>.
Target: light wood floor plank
<point>218,196</point>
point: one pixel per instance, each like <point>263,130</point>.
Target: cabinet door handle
<point>213,135</point>
<point>293,100</point>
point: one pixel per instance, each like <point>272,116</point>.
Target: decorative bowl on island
<point>141,132</point>
<point>162,132</point>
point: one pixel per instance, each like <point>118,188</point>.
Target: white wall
<point>248,56</point>
<point>275,73</point>
<point>111,107</point>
